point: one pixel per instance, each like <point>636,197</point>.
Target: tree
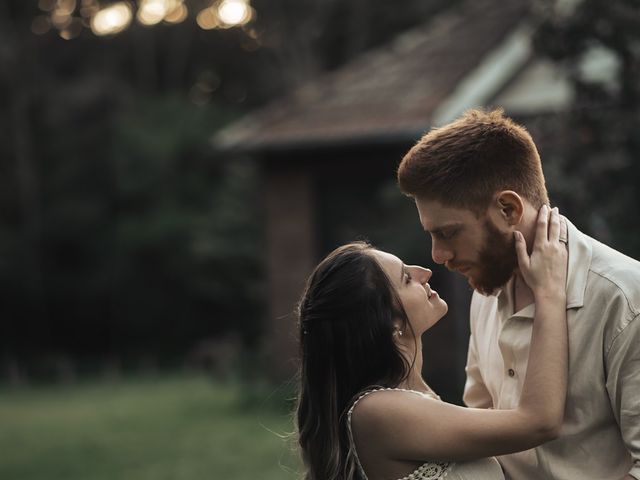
<point>597,41</point>
<point>122,233</point>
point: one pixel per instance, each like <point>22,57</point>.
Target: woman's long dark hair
<point>346,323</point>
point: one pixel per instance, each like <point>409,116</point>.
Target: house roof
<point>398,91</point>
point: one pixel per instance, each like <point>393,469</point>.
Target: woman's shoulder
<point>379,407</point>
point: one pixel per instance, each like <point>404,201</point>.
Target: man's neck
<point>522,294</point>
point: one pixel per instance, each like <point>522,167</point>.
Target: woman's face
<point>423,306</point>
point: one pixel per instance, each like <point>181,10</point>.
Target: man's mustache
<point>457,266</point>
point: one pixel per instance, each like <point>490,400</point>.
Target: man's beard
<point>497,261</point>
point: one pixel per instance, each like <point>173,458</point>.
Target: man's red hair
<point>463,164</point>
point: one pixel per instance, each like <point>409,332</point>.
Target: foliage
<point>124,238</point>
<point>144,239</point>
<point>601,144</point>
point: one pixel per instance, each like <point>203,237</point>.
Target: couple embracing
<point>553,368</point>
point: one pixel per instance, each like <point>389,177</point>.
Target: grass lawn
<point>171,428</point>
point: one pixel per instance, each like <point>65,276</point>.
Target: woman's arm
<point>545,387</point>
<point>406,426</point>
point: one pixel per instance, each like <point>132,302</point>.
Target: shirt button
<point>511,372</point>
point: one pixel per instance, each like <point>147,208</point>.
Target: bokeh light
<point>234,12</point>
<point>69,17</point>
<point>152,12</point>
<point>208,19</point>
<point>72,30</point>
<point>61,19</point>
<point>178,15</point>
<point>65,7</point>
<point>112,19</point>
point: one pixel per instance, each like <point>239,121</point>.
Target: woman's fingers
<point>521,250</point>
<point>542,226</point>
<point>563,231</point>
<point>541,269</point>
<point>554,225</point>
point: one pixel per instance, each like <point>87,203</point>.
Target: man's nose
<point>440,254</point>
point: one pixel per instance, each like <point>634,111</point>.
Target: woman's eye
<point>407,278</point>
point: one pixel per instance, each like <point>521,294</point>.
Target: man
<point>476,181</point>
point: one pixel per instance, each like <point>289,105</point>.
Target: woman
<point>364,411</point>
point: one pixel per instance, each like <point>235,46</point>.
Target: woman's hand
<point>545,270</point>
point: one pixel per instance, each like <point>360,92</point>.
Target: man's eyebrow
<point>439,229</point>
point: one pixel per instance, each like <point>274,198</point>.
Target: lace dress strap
<point>426,471</point>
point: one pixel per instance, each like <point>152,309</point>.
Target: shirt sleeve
<point>475,392</point>
<point>623,385</point>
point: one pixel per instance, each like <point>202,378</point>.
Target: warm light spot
<point>60,19</point>
<point>151,12</point>
<point>40,25</point>
<point>65,7</point>
<point>234,12</point>
<point>154,11</point>
<point>112,19</point>
<point>178,15</point>
<point>73,30</point>
<point>208,19</point>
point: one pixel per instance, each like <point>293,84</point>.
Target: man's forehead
<point>435,216</point>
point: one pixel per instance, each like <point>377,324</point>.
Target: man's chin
<point>481,287</point>
<point>485,282</point>
<point>466,273</point>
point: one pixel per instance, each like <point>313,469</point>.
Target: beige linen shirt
<point>600,438</point>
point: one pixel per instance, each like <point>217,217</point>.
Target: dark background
<point>127,242</point>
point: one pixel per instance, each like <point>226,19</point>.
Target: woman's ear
<point>397,330</point>
<point>510,207</point>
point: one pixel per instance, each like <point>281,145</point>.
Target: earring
<point>398,332</point>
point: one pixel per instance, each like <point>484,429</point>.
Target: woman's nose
<point>424,274</point>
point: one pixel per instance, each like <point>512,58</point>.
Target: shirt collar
<point>580,252</point>
<point>506,303</point>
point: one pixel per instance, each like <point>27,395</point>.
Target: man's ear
<point>510,206</point>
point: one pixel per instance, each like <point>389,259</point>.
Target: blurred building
<point>344,134</point>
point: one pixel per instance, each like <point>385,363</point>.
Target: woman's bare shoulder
<point>385,407</point>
